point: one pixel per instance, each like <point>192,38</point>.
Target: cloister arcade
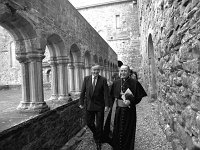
<point>71,56</point>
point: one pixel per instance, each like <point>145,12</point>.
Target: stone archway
<point>95,59</point>
<point>58,65</point>
<point>76,68</point>
<point>152,69</point>
<point>29,52</point>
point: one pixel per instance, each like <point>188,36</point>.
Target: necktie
<point>93,83</point>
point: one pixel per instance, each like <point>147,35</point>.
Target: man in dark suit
<point>95,93</point>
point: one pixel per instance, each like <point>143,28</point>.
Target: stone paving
<point>149,135</point>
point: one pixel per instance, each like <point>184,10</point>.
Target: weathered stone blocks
<point>178,65</point>
<point>50,130</point>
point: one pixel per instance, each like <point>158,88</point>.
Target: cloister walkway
<point>149,135</point>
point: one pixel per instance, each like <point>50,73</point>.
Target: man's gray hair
<point>126,66</point>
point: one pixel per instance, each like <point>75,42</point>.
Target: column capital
<point>38,56</point>
<point>106,65</point>
<point>62,60</point>
<point>22,57</point>
<point>52,61</point>
<point>78,64</point>
<point>70,65</point>
<point>87,67</point>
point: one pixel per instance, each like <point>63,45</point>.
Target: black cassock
<point>122,137</point>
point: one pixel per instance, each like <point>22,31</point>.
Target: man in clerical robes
<point>120,126</point>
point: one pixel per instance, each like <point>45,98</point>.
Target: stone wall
<point>124,39</point>
<point>50,130</point>
<point>170,45</point>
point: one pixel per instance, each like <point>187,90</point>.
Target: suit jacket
<point>94,100</point>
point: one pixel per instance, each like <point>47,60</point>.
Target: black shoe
<point>98,146</point>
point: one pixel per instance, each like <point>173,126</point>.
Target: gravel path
<point>149,135</point>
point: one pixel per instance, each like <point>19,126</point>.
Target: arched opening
<point>95,59</point>
<point>46,74</point>
<point>10,75</point>
<point>75,71</point>
<point>152,69</point>
<point>25,42</point>
<point>56,59</point>
<point>10,67</point>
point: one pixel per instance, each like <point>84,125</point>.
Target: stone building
<point>170,47</point>
<point>117,22</point>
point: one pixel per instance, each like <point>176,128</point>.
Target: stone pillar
<point>71,86</point>
<point>106,72</point>
<point>66,79</point>
<point>87,70</point>
<point>110,73</point>
<point>54,80</point>
<point>101,71</point>
<point>36,82</point>
<point>62,78</point>
<point>78,76</point>
<point>25,102</point>
<point>83,72</point>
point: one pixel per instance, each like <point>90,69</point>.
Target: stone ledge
<point>73,142</point>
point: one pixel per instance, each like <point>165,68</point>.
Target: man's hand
<point>106,108</point>
<point>126,102</point>
<point>81,106</point>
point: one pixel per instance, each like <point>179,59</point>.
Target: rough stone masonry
<point>170,45</point>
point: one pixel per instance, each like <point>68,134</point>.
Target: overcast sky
<point>80,3</point>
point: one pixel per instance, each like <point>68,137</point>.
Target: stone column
<point>66,79</point>
<point>36,82</point>
<point>62,78</point>
<point>83,72</point>
<point>24,104</point>
<point>54,80</point>
<point>87,70</point>
<point>78,75</point>
<point>71,86</point>
<point>110,73</point>
<point>101,71</point>
<point>104,71</point>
